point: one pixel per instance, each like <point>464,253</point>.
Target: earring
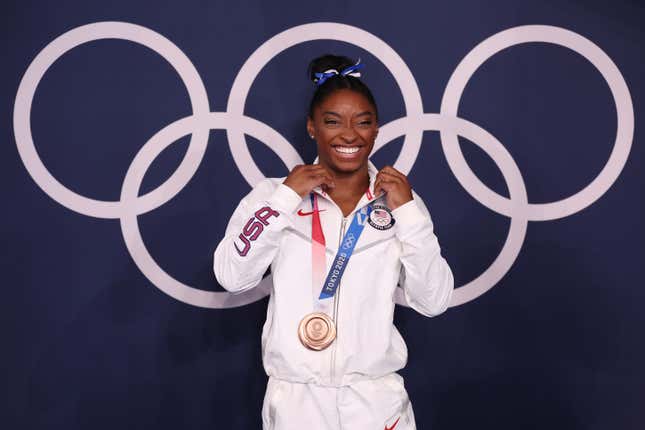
<point>311,136</point>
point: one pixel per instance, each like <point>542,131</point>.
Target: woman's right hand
<point>305,177</point>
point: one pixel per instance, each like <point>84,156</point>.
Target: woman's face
<point>344,126</point>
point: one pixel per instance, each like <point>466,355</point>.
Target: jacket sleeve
<point>426,278</point>
<point>253,235</point>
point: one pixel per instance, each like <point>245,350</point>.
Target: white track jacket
<point>271,227</point>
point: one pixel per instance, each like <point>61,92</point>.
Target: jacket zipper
<point>335,311</point>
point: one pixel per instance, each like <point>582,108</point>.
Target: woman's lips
<point>347,152</point>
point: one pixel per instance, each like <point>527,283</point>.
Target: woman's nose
<point>348,134</point>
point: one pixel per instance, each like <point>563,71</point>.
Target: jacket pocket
<point>404,418</point>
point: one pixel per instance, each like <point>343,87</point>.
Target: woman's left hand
<point>396,186</point>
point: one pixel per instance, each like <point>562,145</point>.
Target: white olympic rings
<point>236,124</point>
<point>619,91</point>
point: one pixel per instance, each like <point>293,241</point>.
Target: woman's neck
<point>349,188</point>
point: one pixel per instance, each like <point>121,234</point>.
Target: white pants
<point>377,404</point>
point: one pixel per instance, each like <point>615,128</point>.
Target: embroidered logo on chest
<point>381,218</point>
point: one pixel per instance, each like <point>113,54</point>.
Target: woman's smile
<point>347,152</point>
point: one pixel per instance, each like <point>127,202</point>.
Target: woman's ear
<point>310,127</point>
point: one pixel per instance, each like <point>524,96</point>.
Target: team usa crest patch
<point>381,218</point>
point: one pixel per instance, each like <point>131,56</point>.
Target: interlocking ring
<point>236,124</point>
<point>349,241</point>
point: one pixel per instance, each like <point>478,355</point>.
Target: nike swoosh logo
<point>301,213</point>
<point>393,425</point>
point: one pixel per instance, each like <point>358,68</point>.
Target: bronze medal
<point>317,331</point>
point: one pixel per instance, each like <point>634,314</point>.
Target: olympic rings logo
<point>236,124</point>
<point>349,241</point>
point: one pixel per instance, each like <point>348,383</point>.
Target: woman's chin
<point>348,165</point>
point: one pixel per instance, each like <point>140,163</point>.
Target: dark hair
<point>337,82</point>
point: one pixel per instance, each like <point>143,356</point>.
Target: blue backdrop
<point>552,339</point>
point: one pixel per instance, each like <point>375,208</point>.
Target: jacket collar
<point>369,193</point>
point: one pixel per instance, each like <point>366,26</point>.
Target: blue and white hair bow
<point>349,71</point>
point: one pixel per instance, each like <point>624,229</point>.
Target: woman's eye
<point>331,121</point>
<point>365,123</point>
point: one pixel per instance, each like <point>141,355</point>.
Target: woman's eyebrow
<point>366,113</point>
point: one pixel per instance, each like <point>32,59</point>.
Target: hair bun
<point>328,62</point>
<point>331,73</point>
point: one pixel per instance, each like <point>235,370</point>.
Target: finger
<point>325,169</point>
<point>389,170</point>
<point>392,170</point>
<point>382,184</point>
<point>317,169</point>
<point>393,178</point>
<point>379,177</point>
<point>387,187</point>
<point>301,168</point>
<point>322,177</point>
<point>327,174</point>
<point>377,186</point>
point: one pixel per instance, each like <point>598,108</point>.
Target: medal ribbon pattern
<point>318,260</point>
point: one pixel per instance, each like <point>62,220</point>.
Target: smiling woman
<point>332,363</point>
<point>344,126</point>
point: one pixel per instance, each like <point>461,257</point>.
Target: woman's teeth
<point>347,150</point>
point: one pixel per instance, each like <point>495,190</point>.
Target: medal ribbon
<point>344,253</point>
<point>317,244</point>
